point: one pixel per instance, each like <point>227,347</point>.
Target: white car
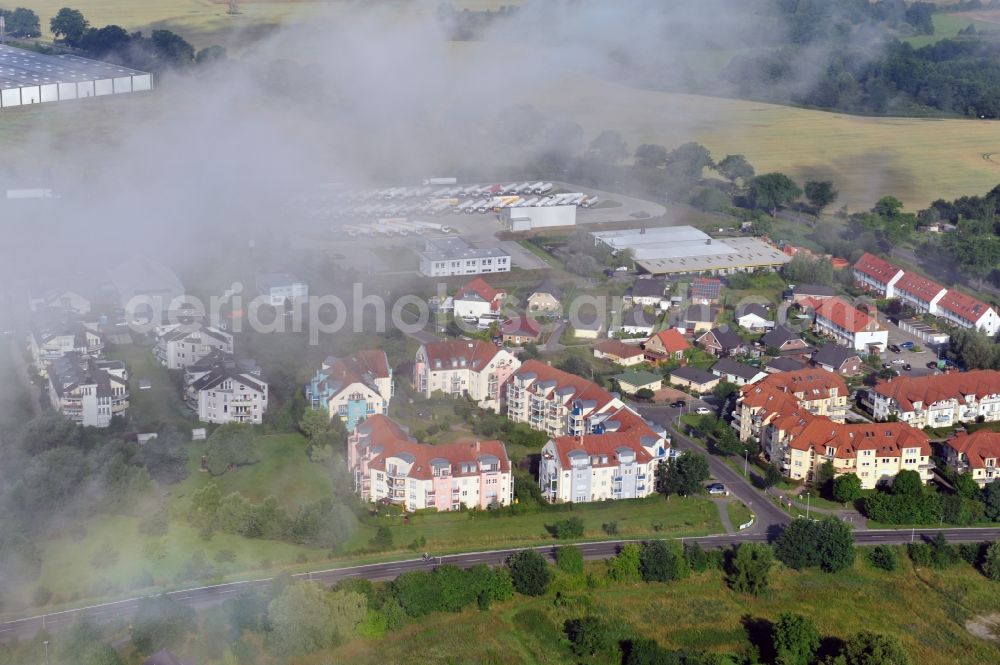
<point>703,411</point>
<point>898,361</point>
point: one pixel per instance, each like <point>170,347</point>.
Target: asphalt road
<point>206,596</point>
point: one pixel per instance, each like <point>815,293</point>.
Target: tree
<point>735,167</point>
<point>771,191</point>
<point>827,543</point>
<point>796,639</point>
<point>835,544</point>
<point>724,389</point>
<point>109,39</point>
<point>796,546</point>
<point>687,161</point>
<point>805,270</point>
<point>991,499</point>
<point>22,23</point>
<point>171,48</point>
<point>820,193</point>
<point>907,483</point>
<point>210,54</point>
<point>651,156</point>
<point>660,562</point>
<point>884,557</point>
<point>315,422</point>
<point>847,488</point>
<point>569,559</point>
<point>160,623</point>
<point>974,250</point>
<point>530,572</point>
<point>685,474</point>
<point>68,25</point>
<point>867,648</point>
<point>823,480</point>
<point>966,487</point>
<point>229,446</point>
<point>888,207</point>
<point>625,568</point>
<point>300,620</point>
<point>609,146</point>
<point>588,635</point>
<point>726,441</point>
<point>749,568</point>
<point>772,475</point>
<point>991,562</point>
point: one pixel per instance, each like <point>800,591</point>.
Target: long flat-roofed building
<point>444,257</point>
<point>685,249</point>
<point>27,77</point>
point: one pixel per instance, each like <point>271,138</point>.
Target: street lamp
<point>807,505</point>
<point>746,461</point>
<point>46,643</point>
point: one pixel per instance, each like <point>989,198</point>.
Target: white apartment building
<point>813,391</point>
<point>877,275</point>
<point>389,465</point>
<point>446,257</point>
<point>977,454</point>
<point>178,346</point>
<point>475,369</point>
<point>280,288</point>
<point>51,340</point>
<point>848,326</point>
<point>223,390</point>
<point>943,400</point>
<point>968,312</point>
<point>596,467</point>
<point>354,387</point>
<point>89,392</point>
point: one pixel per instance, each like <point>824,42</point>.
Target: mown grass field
<point>925,610</point>
<point>948,24</point>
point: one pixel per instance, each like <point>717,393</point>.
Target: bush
<point>382,540</point>
<point>529,572</point>
<point>884,557</point>
<point>920,554</point>
<point>625,567</point>
<point>991,562</point>
<point>229,446</point>
<point>847,488</point>
<point>610,528</point>
<point>827,544</point>
<point>749,568</point>
<point>662,562</point>
<point>972,553</point>
<point>696,557</point>
<point>569,559</point>
<point>588,636</point>
<point>567,529</point>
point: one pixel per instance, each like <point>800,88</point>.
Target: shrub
<point>588,636</point>
<point>529,572</point>
<point>610,528</point>
<point>884,557</point>
<point>696,557</point>
<point>972,553</point>
<point>991,562</point>
<point>568,528</point>
<point>750,567</point>
<point>569,559</point>
<point>920,554</point>
<point>660,562</point>
<point>625,567</point>
<point>382,540</point>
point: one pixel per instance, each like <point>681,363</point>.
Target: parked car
<point>907,367</point>
<point>678,404</point>
<point>894,348</point>
<point>717,489</point>
<point>898,361</point>
<point>703,411</point>
<point>907,346</point>
<point>886,366</point>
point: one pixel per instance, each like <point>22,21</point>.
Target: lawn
<point>452,532</point>
<point>948,24</point>
<point>738,513</point>
<point>925,610</point>
<point>159,405</point>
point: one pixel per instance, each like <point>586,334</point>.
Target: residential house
<point>807,391</point>
<point>389,465</point>
<point>697,380</point>
<point>587,324</point>
<point>838,359</point>
<point>222,390</point>
<point>619,352</point>
<point>476,299</point>
<point>920,293</point>
<point>649,293</point>
<point>281,288</point>
<point>88,391</point>
<point>754,317</point>
<point>636,321</point>
<point>942,400</point>
<point>56,333</point>
<point>800,292</point>
<point>876,452</point>
<point>706,290</point>
<point>354,387</point>
<point>963,310</point>
<point>849,326</point>
<point>739,373</point>
<point>178,346</point>
<point>877,275</point>
<point>977,454</point>
<point>784,340</point>
<point>473,369</point>
<point>699,318</point>
<point>784,364</point>
<point>596,467</point>
<point>632,382</point>
<point>546,298</point>
<point>722,341</point>
<point>668,345</point>
<point>520,330</point>
<point>147,290</point>
<point>64,300</point>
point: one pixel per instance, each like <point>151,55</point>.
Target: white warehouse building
<point>445,257</point>
<point>27,77</point>
<point>537,217</point>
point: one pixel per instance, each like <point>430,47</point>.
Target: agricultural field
<point>948,24</point>
<point>927,610</point>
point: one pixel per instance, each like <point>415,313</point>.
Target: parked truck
<point>440,181</point>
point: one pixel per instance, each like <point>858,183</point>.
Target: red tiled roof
<point>583,389</point>
<point>379,431</point>
<point>601,445</point>
<point>887,439</point>
<point>521,325</point>
<point>476,354</point>
<point>842,314</point>
<point>963,305</point>
<point>977,447</point>
<point>672,340</point>
<point>918,286</point>
<point>614,347</point>
<point>361,367</point>
<point>906,390</point>
<point>878,269</point>
<point>769,391</point>
<point>480,287</point>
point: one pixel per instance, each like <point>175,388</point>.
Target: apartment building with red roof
<point>967,312</point>
<point>876,274</point>
<point>389,465</point>
<point>352,387</point>
<point>810,391</point>
<point>920,293</point>
<point>848,325</point>
<point>977,454</point>
<point>942,400</point>
<point>474,369</point>
<point>596,467</point>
